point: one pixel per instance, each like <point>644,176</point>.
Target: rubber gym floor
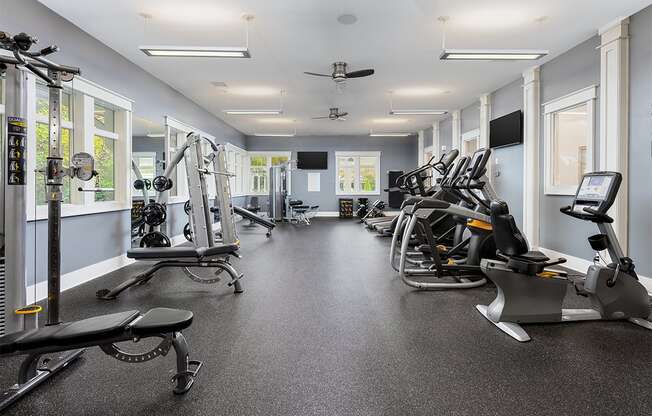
<point>326,327</point>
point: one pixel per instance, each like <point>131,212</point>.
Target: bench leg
<point>32,375</point>
<point>139,279</point>
<point>235,276</point>
<point>186,369</point>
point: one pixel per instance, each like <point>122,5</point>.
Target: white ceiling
<point>401,39</point>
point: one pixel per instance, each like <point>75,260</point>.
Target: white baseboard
<point>77,277</point>
<point>39,291</point>
<point>582,265</point>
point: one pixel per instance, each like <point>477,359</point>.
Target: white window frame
<point>238,181</point>
<point>83,95</point>
<point>357,156</point>
<point>470,136</point>
<point>268,154</point>
<point>586,96</point>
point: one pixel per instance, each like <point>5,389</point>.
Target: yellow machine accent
<point>479,224</point>
<point>548,274</point>
<point>451,262</point>
<point>29,310</point>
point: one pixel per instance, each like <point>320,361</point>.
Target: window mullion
<point>357,174</point>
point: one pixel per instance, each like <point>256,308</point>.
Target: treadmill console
<point>597,191</point>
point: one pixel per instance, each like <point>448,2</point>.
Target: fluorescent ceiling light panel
<point>417,112</point>
<point>253,112</point>
<point>275,134</point>
<point>155,135</point>
<point>196,51</point>
<point>492,54</point>
<point>389,134</point>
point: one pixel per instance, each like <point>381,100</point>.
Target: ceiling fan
<point>340,75</point>
<point>334,114</point>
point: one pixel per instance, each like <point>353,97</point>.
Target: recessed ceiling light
<point>253,91</point>
<point>196,51</point>
<point>417,112</point>
<point>347,19</point>
<point>492,54</point>
<point>389,134</point>
<point>253,112</point>
<point>540,19</point>
<point>416,91</point>
<point>275,134</point>
<point>276,120</point>
<point>219,84</point>
<point>391,120</point>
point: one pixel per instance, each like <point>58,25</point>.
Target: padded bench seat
<point>97,329</point>
<point>155,253</point>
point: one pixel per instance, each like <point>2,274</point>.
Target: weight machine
<point>210,256</point>
<point>63,342</point>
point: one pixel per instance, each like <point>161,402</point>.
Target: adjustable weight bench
<point>101,331</point>
<point>184,257</point>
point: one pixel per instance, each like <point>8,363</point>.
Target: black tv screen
<point>506,130</point>
<point>312,160</point>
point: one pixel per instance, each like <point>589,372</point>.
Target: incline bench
<point>184,257</point>
<point>102,331</point>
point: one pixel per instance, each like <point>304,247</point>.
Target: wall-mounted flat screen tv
<point>312,160</point>
<point>506,130</point>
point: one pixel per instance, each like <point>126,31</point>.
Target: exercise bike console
<point>594,197</point>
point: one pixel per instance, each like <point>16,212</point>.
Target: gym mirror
<point>148,161</point>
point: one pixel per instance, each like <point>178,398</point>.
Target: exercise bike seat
<point>97,330</point>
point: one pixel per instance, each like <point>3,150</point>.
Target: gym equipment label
<point>16,163</point>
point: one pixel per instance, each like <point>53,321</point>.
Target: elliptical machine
<point>528,293</point>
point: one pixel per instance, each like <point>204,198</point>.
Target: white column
<point>436,148</point>
<point>614,119</point>
<point>531,132</point>
<point>457,130</point>
<point>485,117</point>
<point>420,148</point>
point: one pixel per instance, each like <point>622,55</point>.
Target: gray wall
<point>470,117</point>
<point>396,154</point>
<point>153,99</point>
<point>446,133</point>
<point>640,146</point>
<point>576,69</point>
<point>508,161</point>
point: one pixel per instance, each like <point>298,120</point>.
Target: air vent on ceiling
<point>219,84</point>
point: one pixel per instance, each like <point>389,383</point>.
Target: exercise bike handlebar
<point>591,215</point>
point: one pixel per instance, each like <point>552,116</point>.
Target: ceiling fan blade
<point>361,73</point>
<point>318,75</point>
<point>319,118</point>
<point>343,114</point>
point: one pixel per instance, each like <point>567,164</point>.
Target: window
<point>104,151</point>
<point>470,142</point>
<point>93,120</point>
<point>569,137</point>
<point>358,173</point>
<point>259,165</point>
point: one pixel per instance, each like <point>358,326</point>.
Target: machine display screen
<point>595,187</point>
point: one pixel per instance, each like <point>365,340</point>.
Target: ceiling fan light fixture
<point>492,54</point>
<point>196,51</point>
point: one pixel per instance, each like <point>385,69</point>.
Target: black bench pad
<point>69,333</point>
<point>180,252</point>
<point>97,330</point>
<point>162,320</point>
